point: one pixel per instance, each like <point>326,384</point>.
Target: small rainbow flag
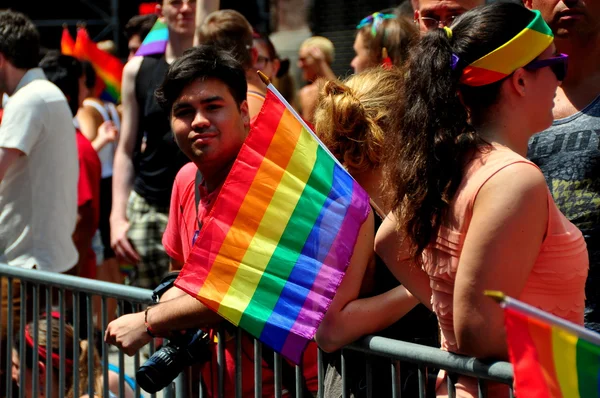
<point>156,41</point>
<point>551,356</point>
<point>67,44</point>
<point>108,67</point>
<point>281,233</point>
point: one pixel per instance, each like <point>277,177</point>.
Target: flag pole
<point>290,108</point>
<point>509,302</point>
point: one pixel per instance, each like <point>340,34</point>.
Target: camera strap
<point>197,196</point>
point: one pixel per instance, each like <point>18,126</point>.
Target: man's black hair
<point>140,25</point>
<point>64,71</point>
<point>90,74</point>
<point>202,62</point>
<point>19,40</point>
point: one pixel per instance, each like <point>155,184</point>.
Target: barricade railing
<point>48,292</point>
<point>37,292</point>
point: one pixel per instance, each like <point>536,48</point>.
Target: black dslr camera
<point>182,350</point>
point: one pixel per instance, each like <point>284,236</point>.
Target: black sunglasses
<point>558,64</point>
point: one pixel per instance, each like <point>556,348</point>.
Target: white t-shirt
<point>38,195</point>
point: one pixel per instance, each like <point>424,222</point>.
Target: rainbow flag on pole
<point>108,67</point>
<point>156,40</point>
<point>67,44</point>
<point>551,356</point>
<point>280,236</point>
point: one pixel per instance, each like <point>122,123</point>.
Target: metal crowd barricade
<point>375,347</point>
<point>53,288</point>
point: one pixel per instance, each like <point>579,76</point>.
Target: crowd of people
<point>476,143</point>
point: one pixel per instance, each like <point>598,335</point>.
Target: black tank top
<point>157,166</point>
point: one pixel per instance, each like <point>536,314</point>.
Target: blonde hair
<point>352,117</point>
<point>108,46</point>
<point>322,43</point>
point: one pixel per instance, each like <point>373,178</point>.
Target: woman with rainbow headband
<point>383,39</point>
<point>469,212</point>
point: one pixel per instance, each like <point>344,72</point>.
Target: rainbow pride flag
<point>108,67</point>
<point>551,357</point>
<point>280,236</point>
<point>67,44</point>
<point>156,40</point>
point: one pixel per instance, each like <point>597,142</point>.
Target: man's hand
<point>128,333</point>
<point>120,242</point>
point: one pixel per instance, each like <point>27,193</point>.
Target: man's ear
<point>416,15</point>
<point>245,113</point>
<point>158,10</point>
<point>528,4</point>
<point>518,82</point>
<point>276,65</point>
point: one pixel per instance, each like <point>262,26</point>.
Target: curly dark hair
<point>424,162</point>
<point>19,40</point>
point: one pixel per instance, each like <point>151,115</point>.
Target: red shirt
<point>177,241</point>
<point>88,190</point>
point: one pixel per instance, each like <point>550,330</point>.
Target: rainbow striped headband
<point>516,53</point>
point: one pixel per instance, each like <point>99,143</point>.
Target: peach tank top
<point>557,280</point>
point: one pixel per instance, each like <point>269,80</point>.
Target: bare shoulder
<point>132,67</point>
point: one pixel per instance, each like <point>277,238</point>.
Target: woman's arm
<point>510,218</point>
<point>390,247</point>
<point>348,317</point>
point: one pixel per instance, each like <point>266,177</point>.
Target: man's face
<point>432,14</point>
<point>132,45</point>
<point>208,125</point>
<point>179,15</point>
<point>576,18</point>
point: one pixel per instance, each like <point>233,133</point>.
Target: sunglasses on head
<point>558,65</point>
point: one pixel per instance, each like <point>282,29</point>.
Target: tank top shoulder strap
<point>101,110</point>
<point>114,114</point>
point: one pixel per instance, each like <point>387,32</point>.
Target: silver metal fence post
<point>152,350</point>
<point>35,383</point>
<point>422,373</point>
<point>61,344</point>
<point>450,386</point>
<point>277,373</point>
<point>22,342</point>
<point>299,376</point>
<point>238,363</point>
<point>49,344</point>
<point>344,373</point>
<point>481,388</point>
<point>221,361</point>
<point>105,353</point>
<point>136,358</point>
<point>120,311</point>
<point>76,333</point>
<point>257,369</point>
<point>369,375</point>
<point>320,374</point>
<point>91,347</point>
<point>396,381</point>
<point>9,337</point>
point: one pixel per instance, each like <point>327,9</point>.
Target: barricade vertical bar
<point>344,374</point>
<point>121,311</point>
<point>396,387</point>
<point>450,386</point>
<point>221,361</point>
<point>511,392</point>
<point>9,337</point>
<point>35,383</point>
<point>49,339</point>
<point>369,375</point>
<point>136,358</point>
<point>104,323</point>
<point>152,349</point>
<point>481,388</point>
<point>238,363</point>
<point>320,374</point>
<point>299,375</point>
<point>257,369</point>
<point>277,371</point>
<point>422,372</point>
<point>76,332</point>
<point>61,343</point>
<point>90,339</point>
<point>1,279</point>
<point>22,323</point>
